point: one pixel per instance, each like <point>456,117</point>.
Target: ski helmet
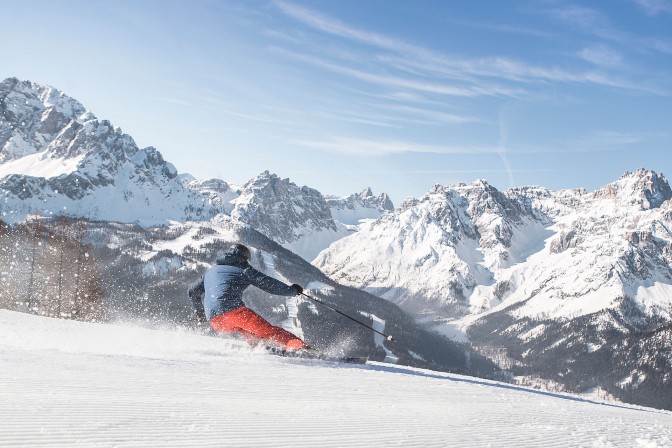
<point>243,249</point>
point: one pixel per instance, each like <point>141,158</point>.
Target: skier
<point>217,298</point>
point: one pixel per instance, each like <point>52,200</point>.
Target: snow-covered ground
<point>41,164</point>
<point>71,384</point>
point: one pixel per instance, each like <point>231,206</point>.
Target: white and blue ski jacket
<point>220,289</point>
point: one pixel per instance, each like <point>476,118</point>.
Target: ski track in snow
<point>71,384</point>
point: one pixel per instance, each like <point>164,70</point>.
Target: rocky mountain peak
<point>485,198</point>
<point>642,188</point>
<point>52,151</point>
<point>366,193</point>
<point>32,116</point>
<point>478,211</point>
<point>219,193</point>
<point>382,202</point>
<point>409,202</point>
<point>280,209</point>
<point>356,208</point>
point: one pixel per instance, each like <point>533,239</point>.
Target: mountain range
<point>57,158</point>
<point>463,249</point>
<point>549,283</point>
<point>563,283</point>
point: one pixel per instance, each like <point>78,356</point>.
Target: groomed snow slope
<point>71,384</point>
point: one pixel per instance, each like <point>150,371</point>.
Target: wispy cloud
<point>616,138</point>
<point>601,55</point>
<point>596,142</point>
<point>475,76</point>
<point>234,110</point>
<point>653,7</point>
<point>175,101</point>
<point>433,115</point>
<point>400,82</point>
<point>585,18</point>
<point>397,116</point>
<point>503,28</point>
<point>661,45</point>
<point>356,117</point>
<point>593,22</point>
<point>332,26</point>
<point>369,147</point>
<point>602,141</point>
<point>407,84</point>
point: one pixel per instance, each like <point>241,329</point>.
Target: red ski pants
<point>254,328</point>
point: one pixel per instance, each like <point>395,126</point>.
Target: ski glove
<point>298,289</point>
<point>200,317</point>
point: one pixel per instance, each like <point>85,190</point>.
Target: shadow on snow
<point>488,383</point>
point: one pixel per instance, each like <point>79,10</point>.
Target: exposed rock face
<point>57,158</point>
<point>450,248</point>
<point>296,217</point>
<point>642,188</point>
<point>280,208</point>
<point>433,252</point>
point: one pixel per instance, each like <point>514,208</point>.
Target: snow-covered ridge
<point>356,208</point>
<point>263,199</point>
<point>119,385</point>
<point>466,249</point>
<point>57,158</point>
<point>301,218</point>
<point>435,250</point>
<point>643,189</point>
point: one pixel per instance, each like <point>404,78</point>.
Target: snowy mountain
<point>434,252</point>
<point>122,385</point>
<point>301,218</point>
<point>219,193</point>
<point>296,217</point>
<point>465,249</point>
<point>353,209</point>
<point>57,158</point>
<point>551,277</point>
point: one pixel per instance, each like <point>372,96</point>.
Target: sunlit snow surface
<point>41,165</point>
<point>68,384</point>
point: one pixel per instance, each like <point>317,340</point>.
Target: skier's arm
<point>269,284</point>
<point>196,293</point>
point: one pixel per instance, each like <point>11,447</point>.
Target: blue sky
<point>341,95</point>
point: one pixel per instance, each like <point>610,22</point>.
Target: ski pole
<point>664,227</point>
<point>388,337</point>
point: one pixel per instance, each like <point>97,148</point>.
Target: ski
<point>317,356</point>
